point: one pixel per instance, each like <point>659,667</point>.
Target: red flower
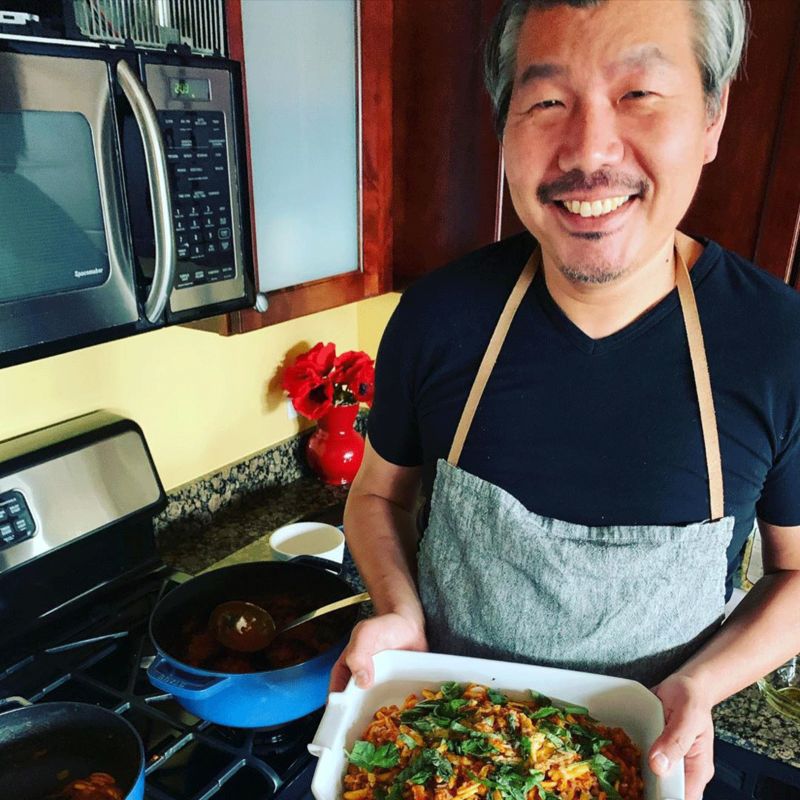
<point>320,358</point>
<point>356,370</point>
<point>314,399</point>
<point>307,381</point>
<point>318,379</point>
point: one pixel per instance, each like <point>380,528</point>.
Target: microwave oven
<point>123,194</point>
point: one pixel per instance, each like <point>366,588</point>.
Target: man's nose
<point>591,140</point>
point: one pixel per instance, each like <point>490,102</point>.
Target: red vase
<point>335,449</point>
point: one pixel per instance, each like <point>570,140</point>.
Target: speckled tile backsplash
<point>198,502</point>
<point>193,506</point>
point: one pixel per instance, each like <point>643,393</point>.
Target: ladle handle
<point>318,612</point>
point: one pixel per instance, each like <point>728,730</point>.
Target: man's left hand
<point>688,734</point>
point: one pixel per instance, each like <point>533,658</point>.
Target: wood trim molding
<point>377,143</point>
<point>777,242</point>
<point>375,61</point>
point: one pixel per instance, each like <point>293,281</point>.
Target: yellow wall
<point>202,400</point>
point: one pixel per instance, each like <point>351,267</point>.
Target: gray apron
<point>499,581</point>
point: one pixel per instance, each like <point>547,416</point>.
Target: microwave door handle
<point>156,161</point>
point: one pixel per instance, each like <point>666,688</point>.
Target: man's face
<point>607,132</point>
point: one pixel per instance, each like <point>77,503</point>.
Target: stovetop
<point>100,656</point>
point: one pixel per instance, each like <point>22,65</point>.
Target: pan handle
<point>164,675</point>
<point>318,563</point>
<point>7,703</point>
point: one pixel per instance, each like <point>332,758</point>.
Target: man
<point>607,447</point>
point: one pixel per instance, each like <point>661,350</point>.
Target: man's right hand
<point>370,636</point>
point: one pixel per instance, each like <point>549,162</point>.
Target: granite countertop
<point>241,530</point>
<point>240,533</point>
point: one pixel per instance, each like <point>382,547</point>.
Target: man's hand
<point>384,632</point>
<point>688,734</point>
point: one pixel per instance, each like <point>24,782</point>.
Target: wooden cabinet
<point>373,275</point>
<point>446,156</point>
<point>749,197</point>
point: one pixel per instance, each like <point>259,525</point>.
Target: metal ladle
<point>247,627</point>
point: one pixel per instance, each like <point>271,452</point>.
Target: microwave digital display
<point>190,89</point>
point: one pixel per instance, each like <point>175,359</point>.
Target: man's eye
<point>547,104</point>
<point>636,94</point>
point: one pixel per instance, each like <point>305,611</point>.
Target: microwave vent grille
<point>155,23</point>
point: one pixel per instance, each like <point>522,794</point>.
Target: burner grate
<point>186,758</point>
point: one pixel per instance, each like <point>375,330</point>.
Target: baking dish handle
<point>330,726</point>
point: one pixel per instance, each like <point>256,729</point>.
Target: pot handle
<point>163,674</point>
<point>7,703</point>
<point>318,563</point>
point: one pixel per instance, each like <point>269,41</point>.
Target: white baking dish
<point>613,701</point>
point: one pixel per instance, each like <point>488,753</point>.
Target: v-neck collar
<point>667,305</point>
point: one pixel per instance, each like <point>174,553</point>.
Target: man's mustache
<point>577,181</point>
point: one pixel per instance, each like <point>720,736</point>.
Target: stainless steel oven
<point>80,576</point>
<point>123,193</point>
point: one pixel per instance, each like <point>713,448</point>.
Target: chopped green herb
<point>407,741</point>
<point>474,747</point>
<point>422,768</point>
<point>569,709</point>
<point>366,756</point>
<point>558,735</point>
<point>525,747</point>
<point>497,698</point>
<point>451,690</point>
<point>587,742</point>
<point>540,698</point>
<point>545,711</point>
<point>604,767</point>
<point>512,784</point>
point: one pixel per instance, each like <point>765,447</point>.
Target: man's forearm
<point>382,538</point>
<point>761,633</point>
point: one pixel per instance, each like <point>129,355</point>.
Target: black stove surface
<point>101,657</point>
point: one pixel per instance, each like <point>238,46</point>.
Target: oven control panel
<point>16,521</point>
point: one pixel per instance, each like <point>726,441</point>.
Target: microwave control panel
<point>16,522</point>
<point>197,161</point>
<point>200,119</point>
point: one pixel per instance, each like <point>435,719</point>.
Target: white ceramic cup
<point>308,538</point>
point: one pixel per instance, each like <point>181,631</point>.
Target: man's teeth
<point>597,208</point>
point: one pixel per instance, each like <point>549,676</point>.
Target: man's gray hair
<point>721,28</point>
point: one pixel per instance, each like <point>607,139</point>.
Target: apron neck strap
<point>490,356</point>
<point>702,380</point>
<point>697,354</point>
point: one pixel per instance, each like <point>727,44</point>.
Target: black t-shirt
<point>599,431</point>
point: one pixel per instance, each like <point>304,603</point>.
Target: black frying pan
<point>37,742</point>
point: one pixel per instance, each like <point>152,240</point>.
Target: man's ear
<point>714,128</point>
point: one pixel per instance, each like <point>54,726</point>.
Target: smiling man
<point>598,411</point>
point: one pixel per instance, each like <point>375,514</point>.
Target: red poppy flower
<point>318,379</point>
<point>314,399</point>
<point>321,358</point>
<point>355,369</point>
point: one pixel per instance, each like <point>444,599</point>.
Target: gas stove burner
<point>272,740</point>
<point>280,738</point>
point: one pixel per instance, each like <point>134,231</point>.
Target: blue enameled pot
<point>251,699</point>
